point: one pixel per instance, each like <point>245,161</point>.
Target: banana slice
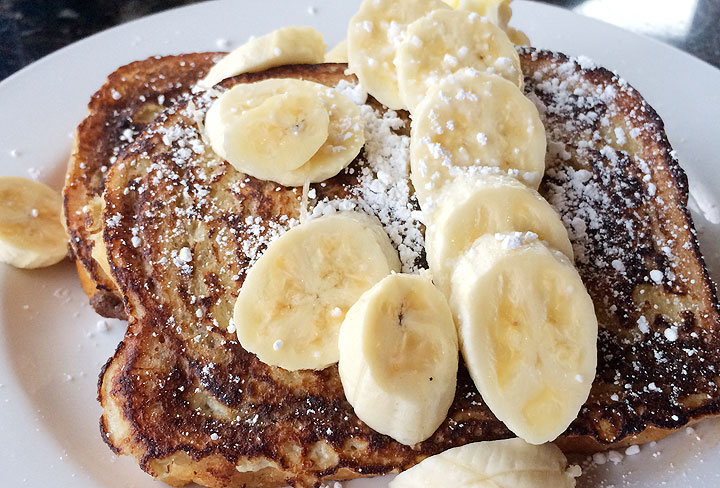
<point>285,130</point>
<point>345,140</point>
<point>374,34</point>
<point>281,133</point>
<point>528,333</point>
<point>99,253</point>
<point>518,37</point>
<point>289,45</point>
<point>489,204</point>
<point>498,12</point>
<point>473,122</point>
<point>295,297</point>
<point>493,464</point>
<point>31,230</point>
<point>398,348</point>
<point>445,41</point>
<point>338,54</point>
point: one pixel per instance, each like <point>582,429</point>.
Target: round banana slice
<point>281,133</point>
<point>473,122</point>
<point>398,348</point>
<point>31,230</point>
<point>468,208</point>
<point>295,297</point>
<point>528,333</point>
<point>374,34</point>
<point>285,130</point>
<point>445,41</point>
<point>492,464</point>
<point>289,45</point>
<point>346,138</point>
<point>338,54</point>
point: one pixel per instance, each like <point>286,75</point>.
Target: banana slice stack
<point>285,130</point>
<point>459,75</point>
<point>527,327</point>
<point>505,291</point>
<point>374,34</point>
<point>398,49</point>
<point>468,208</point>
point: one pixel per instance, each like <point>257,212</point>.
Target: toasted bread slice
<point>128,101</point>
<point>183,397</point>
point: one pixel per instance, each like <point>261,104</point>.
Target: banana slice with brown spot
<point>285,130</point>
<point>398,348</point>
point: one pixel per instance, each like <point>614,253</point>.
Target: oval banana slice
<point>398,348</point>
<point>471,123</point>
<point>281,133</point>
<point>346,137</point>
<point>374,34</point>
<point>492,464</point>
<point>31,230</point>
<point>487,204</point>
<point>285,130</point>
<point>295,297</point>
<point>288,45</point>
<point>445,41</point>
<point>528,333</point>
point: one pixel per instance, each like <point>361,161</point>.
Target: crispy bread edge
<point>94,133</point>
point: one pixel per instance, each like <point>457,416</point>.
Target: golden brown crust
<point>117,112</point>
<point>189,403</point>
<point>656,365</point>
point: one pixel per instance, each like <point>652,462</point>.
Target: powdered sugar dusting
<point>383,186</point>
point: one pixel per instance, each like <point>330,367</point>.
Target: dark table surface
<point>31,29</point>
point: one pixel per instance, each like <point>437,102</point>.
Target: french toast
<point>119,111</point>
<point>182,228</point>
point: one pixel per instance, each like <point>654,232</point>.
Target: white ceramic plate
<point>52,345</point>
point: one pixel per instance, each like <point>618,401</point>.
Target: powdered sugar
<point>383,186</point>
<point>516,239</point>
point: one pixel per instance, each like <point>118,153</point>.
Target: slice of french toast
<point>117,113</point>
<point>182,228</point>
